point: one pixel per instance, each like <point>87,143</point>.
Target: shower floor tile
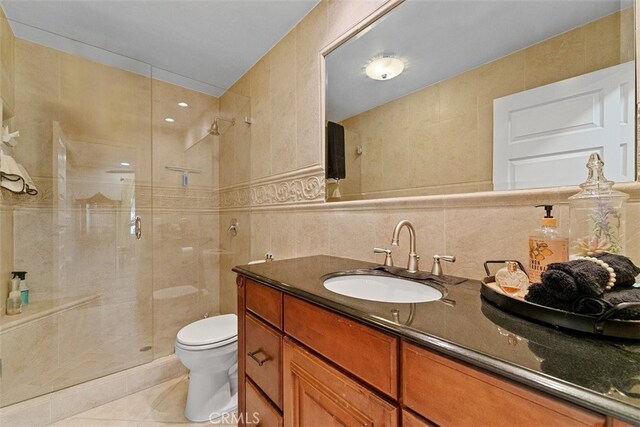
<point>161,405</point>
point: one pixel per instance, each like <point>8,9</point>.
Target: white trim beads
<point>612,274</point>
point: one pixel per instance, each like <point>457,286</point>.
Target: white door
<point>543,137</point>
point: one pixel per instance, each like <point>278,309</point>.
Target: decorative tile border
<point>297,187</point>
<point>294,190</point>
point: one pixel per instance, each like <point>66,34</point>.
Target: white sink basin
<point>382,288</point>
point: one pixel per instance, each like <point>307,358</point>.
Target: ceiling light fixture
<point>125,164</point>
<point>384,68</point>
<point>183,104</point>
<point>169,119</point>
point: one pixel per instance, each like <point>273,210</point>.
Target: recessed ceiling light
<point>385,68</point>
<point>183,104</point>
<point>125,164</point>
<point>169,119</point>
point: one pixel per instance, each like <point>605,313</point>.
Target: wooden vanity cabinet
<point>325,369</point>
<point>451,393</point>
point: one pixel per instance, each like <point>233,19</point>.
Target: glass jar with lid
<point>596,215</point>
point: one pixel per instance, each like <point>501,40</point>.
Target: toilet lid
<point>210,330</point>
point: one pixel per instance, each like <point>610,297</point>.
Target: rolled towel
<point>626,270</point>
<point>538,294</point>
<point>575,278</point>
<point>565,284</point>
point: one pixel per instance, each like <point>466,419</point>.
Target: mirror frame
<point>388,7</point>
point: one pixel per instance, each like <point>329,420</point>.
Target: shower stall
<point>124,242</point>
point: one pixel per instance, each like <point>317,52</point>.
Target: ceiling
<point>439,39</point>
<point>206,45</point>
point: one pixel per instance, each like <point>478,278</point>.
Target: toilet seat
<point>209,346</point>
<point>208,333</point>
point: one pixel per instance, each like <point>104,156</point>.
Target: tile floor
<point>161,405</point>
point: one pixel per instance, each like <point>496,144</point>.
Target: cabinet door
<point>453,394</point>
<point>259,410</point>
<point>316,394</point>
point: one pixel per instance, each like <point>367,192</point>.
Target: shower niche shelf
<point>42,309</point>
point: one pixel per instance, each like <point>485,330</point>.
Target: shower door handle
<point>138,227</point>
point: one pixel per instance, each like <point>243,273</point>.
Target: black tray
<point>602,325</point>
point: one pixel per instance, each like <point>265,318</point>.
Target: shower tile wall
<point>185,221</point>
<point>233,196</point>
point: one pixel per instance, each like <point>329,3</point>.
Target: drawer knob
<point>260,362</point>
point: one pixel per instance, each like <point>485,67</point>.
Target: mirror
<point>494,95</point>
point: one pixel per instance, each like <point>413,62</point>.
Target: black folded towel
<point>568,281</point>
<point>539,294</point>
<point>598,306</point>
<point>626,270</point>
<point>580,286</point>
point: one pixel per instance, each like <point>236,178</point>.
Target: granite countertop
<point>597,373</point>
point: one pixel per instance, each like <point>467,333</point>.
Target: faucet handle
<point>388,261</point>
<point>436,268</point>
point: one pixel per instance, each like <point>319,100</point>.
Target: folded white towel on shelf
<point>14,177</point>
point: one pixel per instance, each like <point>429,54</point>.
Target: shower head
<point>215,131</point>
<point>215,128</point>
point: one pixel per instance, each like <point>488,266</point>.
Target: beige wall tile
<point>311,234</point>
<point>556,59</point>
<point>283,104</point>
<point>7,59</point>
<point>602,42</point>
<point>352,234</point>
<point>342,15</point>
<point>259,77</point>
<point>458,95</point>
<point>501,77</point>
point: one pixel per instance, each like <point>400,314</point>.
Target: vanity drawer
<point>264,358</point>
<point>452,393</point>
<point>259,409</point>
<point>264,302</point>
<point>361,350</point>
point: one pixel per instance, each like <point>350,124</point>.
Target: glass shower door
<point>86,239</point>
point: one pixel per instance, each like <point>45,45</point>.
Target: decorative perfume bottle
<point>511,279</point>
<point>597,215</point>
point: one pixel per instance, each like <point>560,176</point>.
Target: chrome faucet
<point>412,264</point>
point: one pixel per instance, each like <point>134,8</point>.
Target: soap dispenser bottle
<point>546,245</point>
<point>24,290</point>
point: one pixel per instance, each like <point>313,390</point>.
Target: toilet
<point>209,349</point>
